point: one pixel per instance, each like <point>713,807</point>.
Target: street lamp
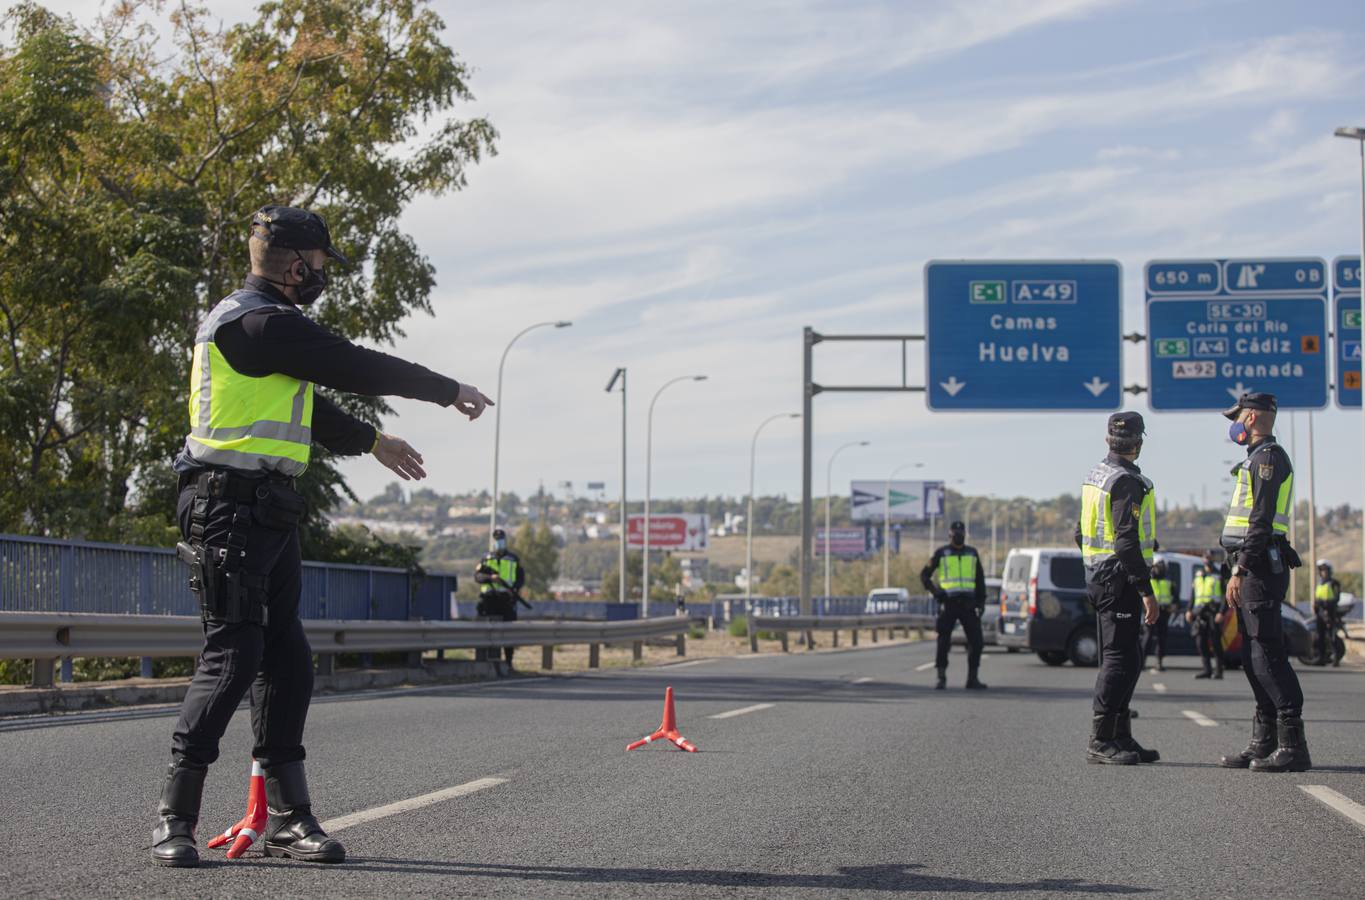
<point>620,374</point>
<point>649,465</point>
<point>749,518</point>
<point>829,490</point>
<point>1358,135</point>
<point>497,422</point>
<point>886,522</point>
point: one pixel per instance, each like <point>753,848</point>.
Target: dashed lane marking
<point>1339,802</point>
<point>1198,718</point>
<point>864,680</point>
<point>925,667</point>
<point>1159,688</point>
<point>743,710</point>
<point>402,806</point>
<point>690,662</point>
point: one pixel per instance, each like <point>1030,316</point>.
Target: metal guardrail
<point>783,625</point>
<point>44,637</point>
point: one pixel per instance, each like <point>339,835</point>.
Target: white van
<point>886,600</point>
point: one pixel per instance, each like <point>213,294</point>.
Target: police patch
<point>1265,471</point>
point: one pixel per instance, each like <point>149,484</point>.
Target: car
<point>886,600</point>
<point>1044,607</point>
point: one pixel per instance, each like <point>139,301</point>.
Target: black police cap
<point>499,534</point>
<point>1127,425</point>
<point>1257,401</point>
<point>295,229</point>
<point>957,526</point>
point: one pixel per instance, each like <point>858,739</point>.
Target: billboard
<point>846,543</point>
<point>912,501</point>
<point>674,531</point>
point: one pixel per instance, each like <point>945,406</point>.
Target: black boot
<point>1207,673</point>
<point>1263,743</point>
<point>974,683</point>
<point>1123,737</point>
<point>1103,749</point>
<point>292,830</point>
<point>942,680</point>
<point>1292,754</point>
<point>173,837</point>
<point>1218,669</point>
<point>1161,663</point>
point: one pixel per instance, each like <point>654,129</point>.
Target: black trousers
<point>951,611</point>
<point>1118,620</point>
<point>1208,639</point>
<point>1326,629</point>
<point>274,662</point>
<point>1157,633</point>
<point>1265,654</point>
<point>499,605</point>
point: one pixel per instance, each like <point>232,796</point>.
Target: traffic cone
<point>245,832</point>
<point>668,731</point>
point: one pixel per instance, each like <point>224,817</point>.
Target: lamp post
<point>649,472</point>
<point>749,517</point>
<point>829,490</point>
<point>497,421</point>
<point>1357,135</point>
<point>886,522</point>
<point>620,375</point>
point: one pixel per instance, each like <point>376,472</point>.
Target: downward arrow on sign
<point>1238,391</point>
<point>1095,386</point>
<point>952,385</point>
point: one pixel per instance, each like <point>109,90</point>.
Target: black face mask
<point>957,539</point>
<point>312,286</point>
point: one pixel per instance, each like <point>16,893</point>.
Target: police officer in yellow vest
<point>1255,535</point>
<point>254,417</point>
<point>500,578</point>
<point>1117,537</point>
<point>1166,607</point>
<point>1206,617</point>
<point>961,594</point>
<point>1326,615</point>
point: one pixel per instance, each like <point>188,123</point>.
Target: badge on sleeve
<point>1265,471</point>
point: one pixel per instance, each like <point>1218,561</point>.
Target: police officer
<point>1166,606</point>
<point>500,578</point>
<point>961,595</point>
<point>1117,537</point>
<point>254,416</point>
<point>1325,614</point>
<point>1206,617</point>
<point>1254,535</point>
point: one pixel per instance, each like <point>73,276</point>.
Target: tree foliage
<point>539,553</point>
<point>128,173</point>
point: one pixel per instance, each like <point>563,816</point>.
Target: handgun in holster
<point>226,593</point>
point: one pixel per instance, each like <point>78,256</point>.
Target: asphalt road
<point>857,778</point>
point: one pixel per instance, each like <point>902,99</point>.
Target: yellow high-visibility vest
<point>1097,515</point>
<point>1239,509</point>
<point>506,569</point>
<point>1208,588</point>
<point>957,573</point>
<point>1161,590</point>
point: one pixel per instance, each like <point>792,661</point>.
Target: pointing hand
<point>471,401</point>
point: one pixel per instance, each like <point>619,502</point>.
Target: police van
<point>1044,606</point>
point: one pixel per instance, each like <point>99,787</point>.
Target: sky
<point>691,184</point>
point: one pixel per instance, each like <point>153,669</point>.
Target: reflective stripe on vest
<point>1161,590</point>
<point>957,573</point>
<point>1097,515</point>
<point>506,569</point>
<point>243,421</point>
<point>1239,509</point>
<point>1208,588</point>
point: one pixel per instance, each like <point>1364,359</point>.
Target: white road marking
<point>1159,688</point>
<point>1198,718</point>
<point>1341,803</point>
<point>402,806</point>
<point>864,680</point>
<point>744,710</point>
<point>690,662</point>
<point>926,666</point>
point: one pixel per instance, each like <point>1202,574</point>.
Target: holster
<point>278,506</point>
<point>226,592</point>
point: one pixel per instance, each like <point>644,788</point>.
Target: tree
<point>128,175</point>
<point>611,579</point>
<point>539,552</point>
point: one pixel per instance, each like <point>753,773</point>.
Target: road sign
<point>1346,323</point>
<point>846,543</point>
<point>1041,335</point>
<point>684,531</point>
<point>1217,328</point>
<point>910,500</point>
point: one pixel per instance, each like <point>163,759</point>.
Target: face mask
<point>312,286</point>
<point>500,546</point>
<point>957,539</point>
<point>1238,433</point>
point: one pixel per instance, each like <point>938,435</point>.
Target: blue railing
<point>46,575</point>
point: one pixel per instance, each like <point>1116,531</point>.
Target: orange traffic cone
<point>668,731</point>
<point>245,832</point>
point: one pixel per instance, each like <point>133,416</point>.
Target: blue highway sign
<point>1217,328</point>
<point>1346,324</point>
<point>1038,335</point>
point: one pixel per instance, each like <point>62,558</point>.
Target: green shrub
<point>696,632</point>
<point>16,671</point>
<point>739,626</point>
